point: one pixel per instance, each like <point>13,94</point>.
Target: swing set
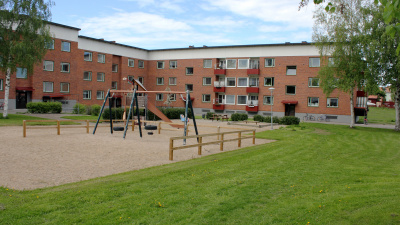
<point>136,84</point>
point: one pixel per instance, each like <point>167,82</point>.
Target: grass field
<point>313,174</point>
<point>17,119</point>
<point>381,115</point>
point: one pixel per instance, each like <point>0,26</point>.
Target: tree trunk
<point>352,123</point>
<point>7,92</point>
<point>397,108</point>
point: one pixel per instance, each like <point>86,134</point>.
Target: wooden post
<point>133,125</point>
<point>240,139</point>
<point>159,127</point>
<point>221,146</point>
<point>58,127</point>
<point>254,137</point>
<point>87,126</point>
<point>218,130</point>
<point>24,128</point>
<point>200,141</point>
<point>171,151</point>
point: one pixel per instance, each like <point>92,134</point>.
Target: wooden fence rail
<point>200,141</point>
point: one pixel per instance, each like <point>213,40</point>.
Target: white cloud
<point>169,5</point>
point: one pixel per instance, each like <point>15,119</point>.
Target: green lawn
<point>381,115</point>
<point>81,117</point>
<point>316,173</point>
<point>17,119</point>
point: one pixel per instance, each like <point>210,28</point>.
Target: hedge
<point>44,107</point>
<point>171,113</point>
<point>81,107</point>
<point>239,116</point>
<point>290,120</point>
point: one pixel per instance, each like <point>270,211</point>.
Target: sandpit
<point>44,159</point>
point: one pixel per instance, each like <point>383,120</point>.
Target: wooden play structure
<point>134,103</point>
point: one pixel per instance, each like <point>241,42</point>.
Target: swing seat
<point>118,128</point>
<point>150,127</point>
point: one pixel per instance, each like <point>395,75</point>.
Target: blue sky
<point>152,24</point>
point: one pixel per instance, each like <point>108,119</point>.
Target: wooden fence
<point>220,140</point>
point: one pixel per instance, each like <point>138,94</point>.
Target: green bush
<point>276,119</point>
<point>239,116</point>
<point>209,115</point>
<point>289,120</point>
<point>258,118</point>
<point>44,107</point>
<point>79,108</point>
<point>116,113</point>
<point>95,110</point>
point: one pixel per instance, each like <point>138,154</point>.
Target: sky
<point>163,24</point>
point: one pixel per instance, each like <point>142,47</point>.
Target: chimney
<point>191,46</point>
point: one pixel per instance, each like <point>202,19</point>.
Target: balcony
<point>220,69</point>
<point>253,68</point>
<point>252,106</point>
<point>253,89</point>
<point>219,86</point>
<point>218,104</point>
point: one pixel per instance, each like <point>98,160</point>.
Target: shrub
<point>239,116</point>
<point>209,115</point>
<point>44,107</point>
<point>79,108</point>
<point>258,118</point>
<point>276,119</point>
<point>289,120</point>
<point>88,110</point>
<point>95,110</point>
<point>117,113</point>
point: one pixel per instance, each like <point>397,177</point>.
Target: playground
<point>44,159</point>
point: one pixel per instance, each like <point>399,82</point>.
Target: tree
<point>339,34</point>
<point>24,36</point>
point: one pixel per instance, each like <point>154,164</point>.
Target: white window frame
<point>272,81</point>
<point>89,74</point>
<point>172,97</point>
<point>160,80</point>
<point>141,64</point>
<point>61,87</point>
<point>45,83</point>
<point>141,80</point>
<point>328,103</point>
<point>242,78</point>
<point>286,89</point>
<point>312,103</point>
<point>62,67</point>
<point>101,95</point>
<point>173,64</point>
<point>231,97</point>
<point>204,96</point>
<point>186,87</point>
<point>188,73</point>
<point>231,63</point>
<point>131,78</point>
<point>1,84</point>
<point>266,97</point>
<point>266,62</point>
<point>160,64</point>
<point>101,58</point>
<point>159,97</point>
<point>230,79</point>
<point>207,63</point>
<point>48,63</point>
<point>65,48</point>
<point>205,83</point>
<point>51,46</point>
<point>242,96</point>
<point>172,81</point>
<point>88,94</point>
<point>102,76</point>
<point>247,62</point>
<point>314,62</point>
<point>331,62</point>
<point>289,71</point>
<point>310,81</point>
<point>114,68</point>
<point>114,87</point>
<point>257,82</point>
<point>89,58</point>
<point>131,62</point>
<point>21,73</point>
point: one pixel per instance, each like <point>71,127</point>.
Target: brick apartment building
<point>223,79</point>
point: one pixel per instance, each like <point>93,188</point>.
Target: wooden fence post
<point>24,128</point>
<point>239,139</point>
<point>221,146</point>
<point>159,127</point>
<point>171,151</point>
<point>58,127</point>
<point>200,141</point>
<point>218,131</point>
<point>87,126</point>
<point>254,137</point>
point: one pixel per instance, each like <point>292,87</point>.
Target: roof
<point>62,25</point>
<point>110,42</point>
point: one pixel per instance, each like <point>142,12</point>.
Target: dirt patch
<point>322,132</point>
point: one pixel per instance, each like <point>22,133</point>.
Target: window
<point>313,101</point>
<point>50,45</point>
<point>87,56</point>
<point>268,100</point>
<point>64,87</point>
<point>173,64</point>
<point>207,63</point>
<point>87,75</point>
<point>206,98</point>
<point>47,86</point>
<point>131,62</point>
<point>22,72</point>
<point>268,81</point>
<point>65,46</point>
<point>189,70</point>
<point>172,97</point>
<point>291,70</point>
<point>254,63</point>
<point>141,64</point>
<point>242,82</point>
<point>130,78</point>
<point>48,65</point>
<point>231,82</point>
<point>100,77</point>
<point>313,82</point>
<point>160,65</point>
<point>160,80</point>
<point>290,90</point>
<point>115,68</point>
<point>314,62</point>
<point>172,81</point>
<point>101,58</point>
<point>141,80</point>
<point>1,84</point>
<point>231,63</point>
<point>332,102</point>
<point>229,99</point>
<point>159,97</point>
<point>243,64</point>
<point>100,94</point>
<point>242,100</point>
<point>87,94</point>
<point>206,81</point>
<point>65,67</point>
<point>189,87</point>
<point>331,61</point>
<point>253,81</point>
<point>269,62</point>
<point>114,85</point>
